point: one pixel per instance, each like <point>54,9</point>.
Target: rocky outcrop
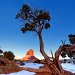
<point>33,59</point>
<point>30,52</point>
<point>26,58</point>
<point>29,56</point>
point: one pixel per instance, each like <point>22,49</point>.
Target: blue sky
<point>62,23</point>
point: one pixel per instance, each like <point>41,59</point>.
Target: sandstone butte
<point>29,54</point>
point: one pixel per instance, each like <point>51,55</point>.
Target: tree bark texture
<point>53,65</point>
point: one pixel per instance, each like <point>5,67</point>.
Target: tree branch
<point>37,70</point>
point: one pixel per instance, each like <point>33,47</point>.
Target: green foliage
<point>9,55</point>
<point>35,20</point>
<point>65,52</point>
<point>25,8</point>
<point>43,15</point>
<point>72,38</point>
<point>47,25</point>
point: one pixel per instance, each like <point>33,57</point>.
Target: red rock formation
<point>26,58</point>
<point>29,56</point>
<point>33,59</point>
<point>30,52</point>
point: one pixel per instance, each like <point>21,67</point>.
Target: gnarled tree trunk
<point>54,67</point>
<point>56,60</point>
<point>42,46</point>
<point>56,70</point>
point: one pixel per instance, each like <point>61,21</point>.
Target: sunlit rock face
<point>30,52</point>
<point>28,55</point>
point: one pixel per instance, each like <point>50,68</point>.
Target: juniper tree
<point>69,49</point>
<point>9,55</point>
<point>71,38</point>
<point>36,21</point>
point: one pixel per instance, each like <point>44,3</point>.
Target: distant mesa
<point>29,56</point>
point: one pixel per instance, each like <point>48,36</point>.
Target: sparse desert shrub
<point>9,55</point>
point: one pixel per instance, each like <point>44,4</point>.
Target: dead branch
<point>37,70</point>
